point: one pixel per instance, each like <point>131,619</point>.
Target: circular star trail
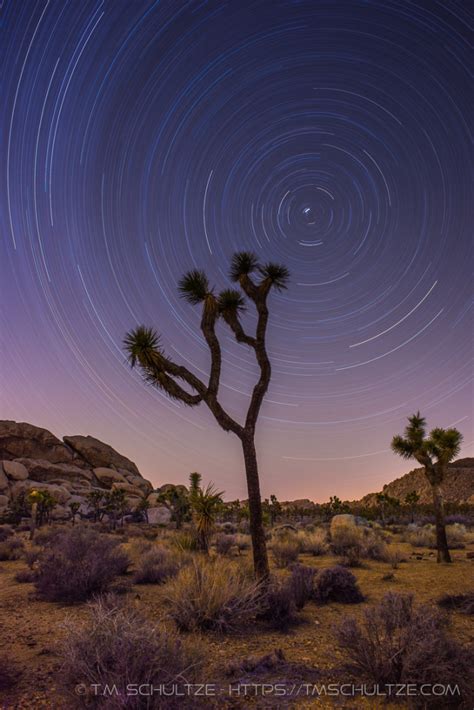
<point>142,139</point>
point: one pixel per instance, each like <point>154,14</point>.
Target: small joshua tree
<point>205,506</point>
<point>143,347</point>
<point>412,499</point>
<point>433,453</point>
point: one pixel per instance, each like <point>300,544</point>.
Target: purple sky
<point>143,139</point>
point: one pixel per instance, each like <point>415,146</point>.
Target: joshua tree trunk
<point>441,539</point>
<point>260,557</point>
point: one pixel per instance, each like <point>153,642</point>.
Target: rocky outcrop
<point>458,487</point>
<point>32,457</point>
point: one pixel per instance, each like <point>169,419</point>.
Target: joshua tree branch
<point>261,387</point>
<point>235,325</point>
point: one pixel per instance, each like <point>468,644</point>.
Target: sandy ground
<point>30,631</point>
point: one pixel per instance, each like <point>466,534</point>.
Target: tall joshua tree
<point>143,347</point>
<point>433,453</point>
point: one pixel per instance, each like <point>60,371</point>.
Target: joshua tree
<point>433,453</point>
<point>74,508</point>
<point>411,499</point>
<point>177,503</point>
<point>143,347</point>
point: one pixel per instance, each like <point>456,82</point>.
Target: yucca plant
<point>205,505</point>
<point>433,452</point>
<point>144,349</point>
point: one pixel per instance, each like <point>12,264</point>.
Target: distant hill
<point>457,488</point>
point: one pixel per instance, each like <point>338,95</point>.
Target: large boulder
<point>19,439</point>
<point>344,519</point>
<point>15,470</point>
<point>33,458</point>
<point>41,470</point>
<point>100,455</point>
<point>4,483</point>
<point>159,516</point>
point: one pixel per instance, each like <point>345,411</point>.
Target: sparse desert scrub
<point>79,565</point>
<point>242,542</point>
<point>277,604</point>
<point>314,543</point>
<point>6,531</point>
<point>457,535</point>
<point>458,602</point>
<point>9,673</point>
<point>156,566</point>
<point>398,642</point>
<point>116,645</point>
<point>212,595</point>
<point>354,544</point>
<point>224,543</point>
<point>285,551</point>
<point>337,584</point>
<point>11,548</point>
<point>301,583</point>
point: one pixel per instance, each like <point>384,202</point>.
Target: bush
<point>212,595</point>
<point>242,542</point>
<point>278,604</point>
<point>79,565</point>
<point>224,543</point>
<point>394,557</point>
<point>285,552</point>
<point>458,602</point>
<point>402,644</point>
<point>156,566</point>
<point>11,549</point>
<point>314,543</point>
<point>421,537</point>
<point>8,674</point>
<point>115,646</point>
<point>456,535</point>
<point>356,543</point>
<point>337,584</point>
<point>25,576</point>
<point>301,584</point>
<point>6,531</point>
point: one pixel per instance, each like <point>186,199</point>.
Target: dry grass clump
<point>9,673</point>
<point>354,544</point>
<point>400,643</point>
<point>314,543</point>
<point>11,548</point>
<point>426,536</point>
<point>285,551</point>
<point>212,595</point>
<point>116,646</point>
<point>224,543</point>
<point>78,565</point>
<point>156,566</point>
<point>458,602</point>
<point>242,542</point>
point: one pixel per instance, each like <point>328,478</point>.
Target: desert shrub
<point>242,542</point>
<point>337,584</point>
<point>458,602</point>
<point>301,583</point>
<point>11,549</point>
<point>256,664</point>
<point>6,531</point>
<point>456,535</point>
<point>356,543</point>
<point>211,595</point>
<point>393,558</point>
<point>421,537</point>
<point>285,551</point>
<point>47,536</point>
<point>116,645</point>
<point>374,548</point>
<point>314,543</point>
<point>79,565</point>
<point>400,643</point>
<point>25,576</point>
<point>9,673</point>
<point>224,543</point>
<point>156,566</point>
<point>31,556</point>
<point>278,605</point>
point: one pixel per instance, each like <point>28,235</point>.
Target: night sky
<point>141,139</point>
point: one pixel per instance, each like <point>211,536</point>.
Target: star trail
<point>142,139</point>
